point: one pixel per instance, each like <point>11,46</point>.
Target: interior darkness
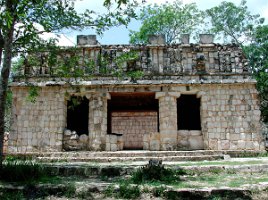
<point>77,115</point>
<point>127,102</point>
<point>188,112</point>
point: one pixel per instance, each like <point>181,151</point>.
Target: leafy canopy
<point>168,19</point>
<point>233,23</point>
<point>257,53</point>
<point>31,18</point>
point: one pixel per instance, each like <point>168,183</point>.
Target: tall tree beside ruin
<point>22,22</point>
<point>257,53</point>
<point>168,19</point>
<point>233,23</point>
<point>236,24</point>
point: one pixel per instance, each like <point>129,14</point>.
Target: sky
<point>120,35</point>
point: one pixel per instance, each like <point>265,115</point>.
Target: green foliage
<point>33,93</point>
<point>134,75</point>
<point>156,173</point>
<point>233,23</point>
<point>159,191</point>
<point>168,19</point>
<point>75,101</point>
<point>257,53</point>
<point>125,191</point>
<point>21,171</point>
<point>17,66</point>
<point>70,190</point>
<point>11,195</point>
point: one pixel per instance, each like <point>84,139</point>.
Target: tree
<point>233,23</point>
<point>257,53</point>
<point>168,19</point>
<point>22,22</point>
<point>237,24</point>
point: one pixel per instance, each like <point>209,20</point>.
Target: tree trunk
<point>8,44</point>
<point>1,47</point>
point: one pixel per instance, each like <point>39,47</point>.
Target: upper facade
<point>156,62</point>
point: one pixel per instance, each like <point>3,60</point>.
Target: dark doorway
<point>77,114</point>
<point>188,112</point>
<point>133,115</point>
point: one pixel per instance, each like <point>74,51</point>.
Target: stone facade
<point>133,126</point>
<point>217,75</point>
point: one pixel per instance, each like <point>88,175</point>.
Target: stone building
<point>166,97</point>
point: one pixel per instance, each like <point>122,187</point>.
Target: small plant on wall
<point>33,93</point>
<point>74,102</point>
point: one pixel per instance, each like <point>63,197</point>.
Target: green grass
<point>21,171</point>
<point>231,163</point>
<point>124,190</point>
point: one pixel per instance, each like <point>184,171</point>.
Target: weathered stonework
<point>133,125</point>
<point>6,136</point>
<point>217,75</point>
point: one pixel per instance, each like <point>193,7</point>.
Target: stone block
<point>206,38</point>
<point>241,144</point>
<point>154,145</point>
<point>183,143</point>
<point>108,147</point>
<point>168,147</point>
<point>195,133</point>
<point>114,147</point>
<point>225,144</point>
<point>146,146</point>
<point>83,138</point>
<point>86,40</point>
<point>157,39</point>
<point>185,38</point>
<point>196,142</point>
<point>213,144</point>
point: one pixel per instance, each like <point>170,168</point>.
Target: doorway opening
<point>188,113</point>
<point>77,114</point>
<point>133,115</point>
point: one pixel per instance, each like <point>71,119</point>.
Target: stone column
<point>168,119</point>
<point>156,45</point>
<point>98,121</point>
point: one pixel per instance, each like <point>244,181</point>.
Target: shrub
<point>125,191</point>
<point>21,171</point>
<point>151,173</point>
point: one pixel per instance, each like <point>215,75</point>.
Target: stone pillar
<point>156,43</point>
<point>98,121</point>
<point>168,119</point>
<point>206,38</point>
<point>185,38</point>
<point>83,40</point>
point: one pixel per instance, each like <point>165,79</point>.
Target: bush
<point>21,171</point>
<point>151,173</point>
<point>125,191</point>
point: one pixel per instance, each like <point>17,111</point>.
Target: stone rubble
<point>72,141</point>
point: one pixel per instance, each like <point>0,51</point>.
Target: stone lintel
<point>200,94</point>
<point>163,94</point>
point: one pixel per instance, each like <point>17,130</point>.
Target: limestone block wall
<point>190,140</point>
<point>168,119</point>
<point>133,125</point>
<point>114,142</point>
<point>5,143</point>
<point>152,141</point>
<point>37,126</point>
<point>97,121</point>
<point>230,117</point>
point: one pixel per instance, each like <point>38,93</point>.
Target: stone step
<point>85,169</point>
<point>129,159</point>
<point>109,154</point>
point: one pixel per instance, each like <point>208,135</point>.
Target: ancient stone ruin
<point>136,97</point>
